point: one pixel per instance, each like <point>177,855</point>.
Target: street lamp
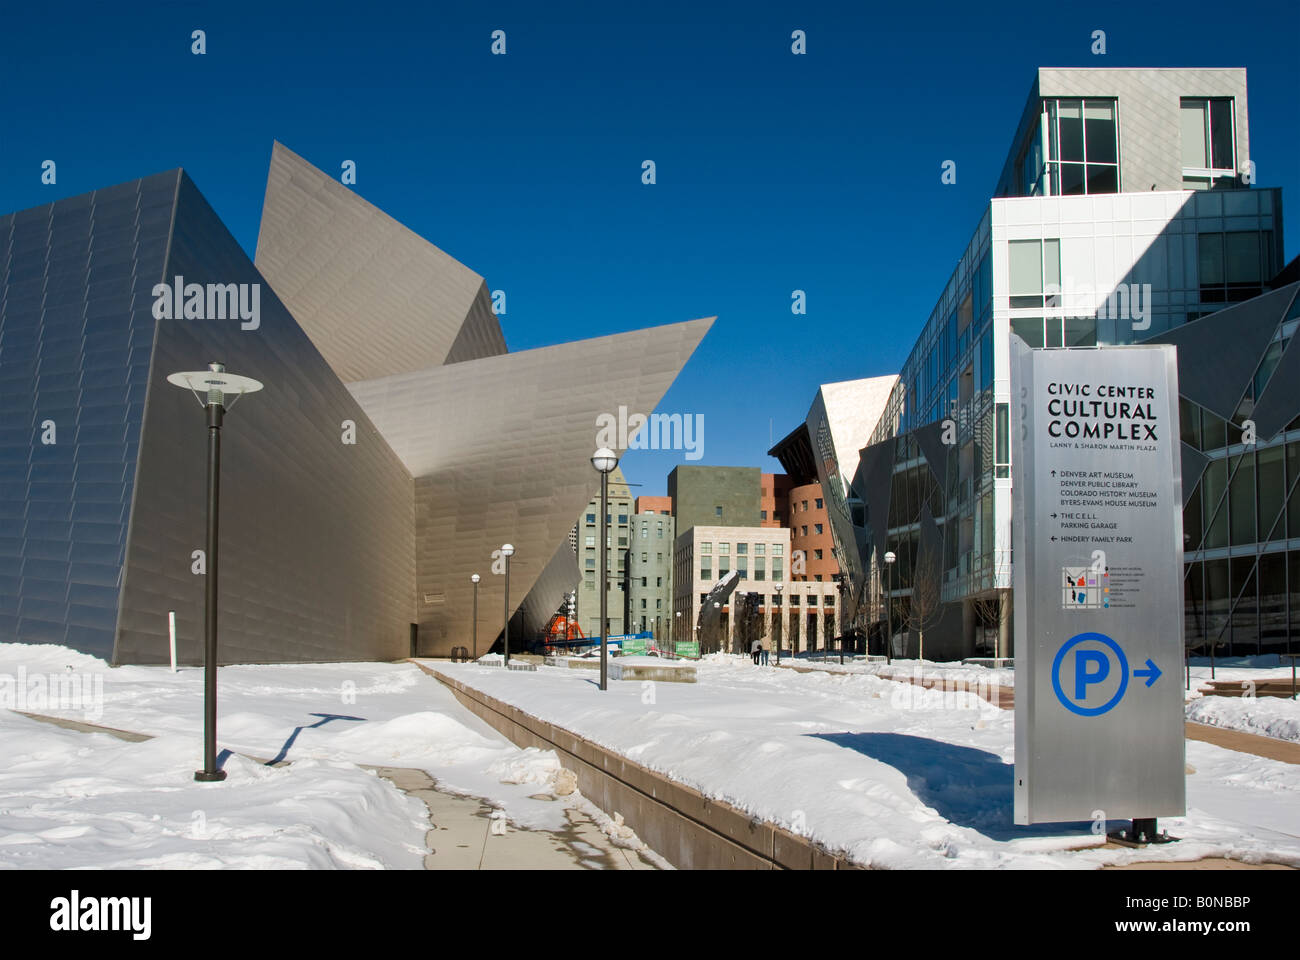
<point>605,461</point>
<point>780,619</point>
<point>223,390</point>
<point>890,557</point>
<point>507,551</point>
<point>474,580</point>
<point>717,605</point>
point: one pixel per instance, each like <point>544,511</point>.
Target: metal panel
<point>375,298</point>
<point>318,550</point>
<point>1098,586</point>
<point>55,351</point>
<point>500,448</point>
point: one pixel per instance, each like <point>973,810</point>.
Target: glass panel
<point>1213,484</point>
<point>1272,603</point>
<point>1072,179</point>
<point>1071,127</point>
<point>1080,331</point>
<point>1192,521</point>
<point>1215,431</point>
<point>1052,263</point>
<point>1242,257</point>
<point>1210,246</point>
<point>1193,123</point>
<point>1216,597</point>
<point>1272,488</point>
<point>1245,615</point>
<point>1099,123</point>
<point>1028,329</point>
<point>1053,336</point>
<point>1103,179</point>
<point>1242,497</point>
<point>1221,134</point>
<point>1026,267</point>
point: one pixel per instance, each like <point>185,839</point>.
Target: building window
<point>659,581</point>
<point>591,518</point>
<point>817,528</point>
<point>777,548</point>
<point>706,568</point>
<point>817,554</point>
<point>659,603</point>
<point>1233,265</point>
<point>1209,152</point>
<point>805,505</point>
<point>591,541</point>
<point>805,530</point>
<point>659,558</point>
<point>724,548</point>
<point>724,566</point>
<point>706,546</point>
<point>1035,270</point>
<point>591,561</point>
<point>819,503</point>
<point>717,511</point>
<point>622,541</point>
<point>645,531</point>
<point>776,569</point>
<point>762,514</point>
<point>622,518</point>
<point>660,529</point>
<point>643,603</point>
<point>742,549</point>
<point>760,572</point>
<point>1082,149</point>
<point>1002,440</point>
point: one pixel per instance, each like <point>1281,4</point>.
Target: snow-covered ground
<point>75,799</point>
<point>892,774</point>
<point>1266,716</point>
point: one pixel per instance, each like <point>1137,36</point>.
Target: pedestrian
<point>755,649</point>
<point>767,647</point>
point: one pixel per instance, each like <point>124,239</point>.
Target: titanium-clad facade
<point>76,336</point>
<point>346,501</point>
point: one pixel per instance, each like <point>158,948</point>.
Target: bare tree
<point>992,606</point>
<point>926,602</point>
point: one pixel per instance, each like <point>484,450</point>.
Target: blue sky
<point>775,172</point>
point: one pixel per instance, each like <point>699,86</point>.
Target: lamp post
<point>890,557</point>
<point>780,617</point>
<point>474,580</point>
<point>605,461</point>
<point>677,630</point>
<point>717,605</point>
<point>222,390</point>
<point>507,551</point>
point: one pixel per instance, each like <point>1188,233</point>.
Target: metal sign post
<point>1098,541</point>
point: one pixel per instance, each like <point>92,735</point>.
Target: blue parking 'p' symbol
<point>1091,667</point>
<point>1083,676</point>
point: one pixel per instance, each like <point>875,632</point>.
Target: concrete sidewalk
<point>465,833</point>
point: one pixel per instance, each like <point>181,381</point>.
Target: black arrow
<point>1053,516</point>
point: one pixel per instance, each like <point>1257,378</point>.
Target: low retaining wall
<point>679,823</point>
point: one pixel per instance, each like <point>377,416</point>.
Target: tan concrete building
<point>803,614</point>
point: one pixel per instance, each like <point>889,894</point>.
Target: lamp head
<point>507,549</point>
<point>604,460</point>
<point>475,578</point>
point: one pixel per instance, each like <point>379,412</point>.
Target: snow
<point>77,800</point>
<point>1266,716</point>
<point>889,773</point>
<point>108,802</point>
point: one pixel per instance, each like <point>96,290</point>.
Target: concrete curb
<point>679,823</point>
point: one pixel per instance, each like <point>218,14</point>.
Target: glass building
<point>1125,211</point>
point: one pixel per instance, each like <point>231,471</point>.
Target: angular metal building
<point>396,443</point>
